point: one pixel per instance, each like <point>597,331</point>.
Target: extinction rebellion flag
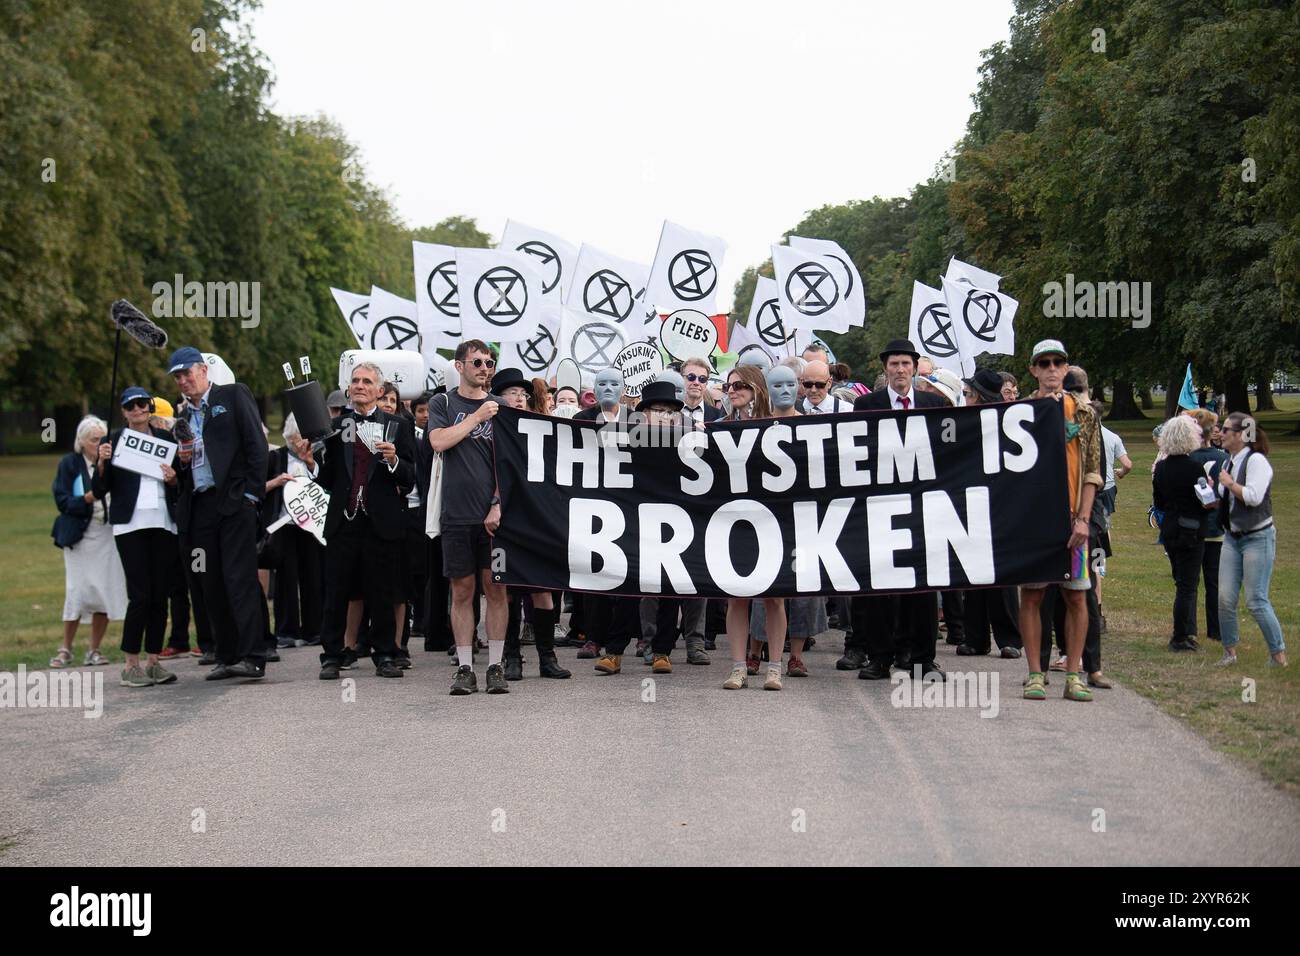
<point>837,504</point>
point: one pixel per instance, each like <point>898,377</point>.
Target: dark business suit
<point>360,546</point>
<point>221,523</point>
<point>902,628</point>
<point>297,593</point>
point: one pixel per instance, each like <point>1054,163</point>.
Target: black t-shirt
<point>468,475</point>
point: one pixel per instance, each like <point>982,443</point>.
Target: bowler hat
<point>899,347</point>
<point>508,378</point>
<point>660,393</point>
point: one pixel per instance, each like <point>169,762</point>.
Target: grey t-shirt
<point>468,473</point>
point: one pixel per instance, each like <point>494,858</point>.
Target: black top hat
<point>899,347</point>
<point>987,384</point>
<point>508,378</point>
<point>660,393</point>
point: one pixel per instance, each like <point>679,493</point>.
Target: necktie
<point>904,401</point>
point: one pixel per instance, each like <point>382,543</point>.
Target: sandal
<point>61,659</point>
<point>1097,679</point>
<point>1075,689</point>
<point>1034,687</point>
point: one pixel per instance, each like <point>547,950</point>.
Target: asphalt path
<point>588,771</point>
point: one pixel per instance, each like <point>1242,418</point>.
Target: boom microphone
<point>137,325</point>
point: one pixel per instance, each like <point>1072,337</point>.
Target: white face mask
<point>782,387</point>
<point>608,387</point>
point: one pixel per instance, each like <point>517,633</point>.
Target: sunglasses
<point>136,403</point>
<point>735,387</point>
<point>814,384</point>
<point>480,363</point>
<point>692,377</point>
<point>1052,363</point>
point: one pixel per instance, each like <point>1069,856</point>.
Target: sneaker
<point>465,681</point>
<point>697,656</point>
<point>736,680</point>
<point>1010,653</point>
<point>751,665</point>
<point>662,665</point>
<point>95,659</point>
<point>1033,687</point>
<point>135,677</point>
<point>496,680</point>
<point>1277,660</point>
<point>588,651</point>
<point>168,653</point>
<point>1076,689</point>
<point>1227,660</point>
<point>773,681</point>
<point>610,664</point>
<point>159,675</point>
<point>1058,664</point>
<point>796,667</point>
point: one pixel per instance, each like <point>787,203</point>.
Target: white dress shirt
<point>829,405</point>
<point>894,397</point>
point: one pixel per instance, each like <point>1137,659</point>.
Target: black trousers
<point>148,559</point>
<point>995,609</point>
<point>902,628</point>
<point>1210,573</point>
<point>1185,563</point>
<point>437,600</point>
<point>180,600</point>
<point>1052,617</point>
<point>194,582</point>
<point>231,592</point>
<point>358,565</point>
<point>297,591</point>
<point>577,617</point>
<point>954,615</point>
<point>612,622</point>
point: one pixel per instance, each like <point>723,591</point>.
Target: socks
<point>495,650</point>
<point>465,655</point>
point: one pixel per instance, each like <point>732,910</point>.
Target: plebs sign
<point>687,333</point>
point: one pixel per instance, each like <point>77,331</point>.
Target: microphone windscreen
<point>137,325</point>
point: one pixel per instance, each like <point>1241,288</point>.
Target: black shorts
<point>465,549</point>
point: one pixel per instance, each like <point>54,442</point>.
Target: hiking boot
<point>496,680</point>
<point>610,664</point>
<point>514,668</point>
<point>159,675</point>
<point>662,665</point>
<point>696,656</point>
<point>465,682</point>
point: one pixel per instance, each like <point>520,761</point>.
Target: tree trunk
<point>1264,395</point>
<point>1122,406</point>
<point>1236,397</point>
<point>1173,390</point>
<point>1145,396</point>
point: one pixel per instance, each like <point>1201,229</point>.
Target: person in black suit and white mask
<point>368,468</point>
<point>222,476</point>
<point>899,629</point>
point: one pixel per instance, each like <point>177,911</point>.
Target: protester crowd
<point>413,507</point>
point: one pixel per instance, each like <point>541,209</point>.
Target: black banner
<point>826,504</point>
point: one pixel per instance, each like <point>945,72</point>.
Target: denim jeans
<point>1249,558</point>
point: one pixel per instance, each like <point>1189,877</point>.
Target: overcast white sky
<point>598,119</point>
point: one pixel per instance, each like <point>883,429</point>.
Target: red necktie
<point>904,401</point>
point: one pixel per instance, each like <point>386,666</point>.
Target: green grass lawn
<point>1137,596</point>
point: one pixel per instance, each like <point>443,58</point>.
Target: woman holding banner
<point>142,513</point>
<point>747,399</point>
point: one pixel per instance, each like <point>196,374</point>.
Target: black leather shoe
<point>514,668</point>
<point>349,658</point>
<point>387,668</point>
<point>208,659</point>
<point>496,680</point>
<point>548,665</point>
<point>219,672</point>
<point>852,660</point>
<point>272,656</point>
<point>966,650</point>
<point>874,670</point>
<point>248,668</point>
<point>329,671</point>
<point>932,668</point>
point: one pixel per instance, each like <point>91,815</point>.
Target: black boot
<point>548,665</point>
<point>513,658</point>
<point>514,668</point>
